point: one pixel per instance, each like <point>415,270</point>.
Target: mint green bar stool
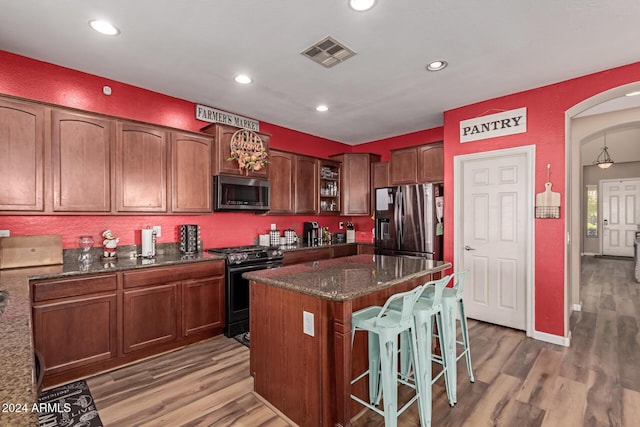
<point>425,312</point>
<point>451,297</point>
<point>383,326</point>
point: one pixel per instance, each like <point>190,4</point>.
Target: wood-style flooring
<point>519,381</point>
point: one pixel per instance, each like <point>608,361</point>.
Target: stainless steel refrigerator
<point>409,220</point>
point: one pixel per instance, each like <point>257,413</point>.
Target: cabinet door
<point>149,317</point>
<point>404,166</point>
<point>431,163</point>
<point>282,184</point>
<point>306,255</point>
<point>190,173</point>
<point>75,333</point>
<point>357,184</point>
<point>81,162</point>
<point>202,305</point>
<point>141,169</point>
<point>380,174</point>
<point>21,156</point>
<point>306,185</point>
<point>222,151</point>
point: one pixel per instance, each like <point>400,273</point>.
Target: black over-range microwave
<point>234,193</point>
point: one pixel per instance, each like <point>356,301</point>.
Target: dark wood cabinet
<point>404,166</point>
<point>21,156</point>
<point>149,316</point>
<point>413,165</point>
<point>380,175</point>
<point>140,168</point>
<point>191,180</point>
<point>81,162</point>
<point>356,182</point>
<point>307,255</point>
<point>222,150</point>
<point>203,305</point>
<point>75,321</point>
<point>85,324</point>
<point>306,185</point>
<point>431,162</point>
<point>281,176</point>
<point>344,250</point>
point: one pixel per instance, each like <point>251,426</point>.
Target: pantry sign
<point>500,124</point>
<point>208,114</point>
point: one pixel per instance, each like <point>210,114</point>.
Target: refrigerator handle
<point>398,216</point>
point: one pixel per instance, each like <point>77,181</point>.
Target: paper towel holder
<point>148,242</point>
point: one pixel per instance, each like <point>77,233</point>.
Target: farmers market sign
<point>208,114</point>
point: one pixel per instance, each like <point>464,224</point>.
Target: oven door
<point>237,296</point>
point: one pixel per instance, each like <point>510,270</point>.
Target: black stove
<point>242,259</point>
<point>248,254</point>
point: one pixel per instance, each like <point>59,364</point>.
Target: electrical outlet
<point>5,233</point>
<point>341,225</point>
<point>307,323</point>
<point>158,230</point>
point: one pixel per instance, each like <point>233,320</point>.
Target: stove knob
<point>244,257</point>
<point>231,258</point>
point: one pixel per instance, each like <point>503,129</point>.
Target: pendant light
<point>604,160</point>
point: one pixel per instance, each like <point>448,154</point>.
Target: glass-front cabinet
<point>329,187</point>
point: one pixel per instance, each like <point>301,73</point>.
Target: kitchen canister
<point>274,237</point>
<point>290,236</point>
<point>264,240</point>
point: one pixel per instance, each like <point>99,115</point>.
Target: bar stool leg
<point>389,373</point>
<point>374,368</point>
<point>465,339</point>
<point>423,331</point>
<point>443,320</point>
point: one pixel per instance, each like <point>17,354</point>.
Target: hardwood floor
<point>519,381</point>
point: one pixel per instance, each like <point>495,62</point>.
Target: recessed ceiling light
<point>637,92</point>
<point>361,5</point>
<point>243,79</point>
<point>104,27</point>
<point>437,65</point>
<point>322,108</point>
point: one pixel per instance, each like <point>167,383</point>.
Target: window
<point>592,211</point>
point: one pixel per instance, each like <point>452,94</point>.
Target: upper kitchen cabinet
<point>81,162</point>
<point>190,173</point>
<point>356,182</point>
<point>281,176</point>
<point>222,151</point>
<point>424,163</point>
<point>21,156</point>
<point>141,168</point>
<point>306,185</point>
<point>330,191</point>
<point>431,162</point>
<point>379,175</point>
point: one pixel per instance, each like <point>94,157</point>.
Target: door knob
<point>469,248</point>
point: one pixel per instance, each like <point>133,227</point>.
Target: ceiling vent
<point>328,52</point>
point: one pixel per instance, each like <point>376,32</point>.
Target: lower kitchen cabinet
<point>75,333</point>
<point>86,324</point>
<point>149,317</point>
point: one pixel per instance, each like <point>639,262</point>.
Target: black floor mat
<point>244,339</point>
<point>68,405</point>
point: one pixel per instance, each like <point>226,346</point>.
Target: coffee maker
<point>311,233</point>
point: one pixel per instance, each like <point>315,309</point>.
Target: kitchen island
<point>301,356</point>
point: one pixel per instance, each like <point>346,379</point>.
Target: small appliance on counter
<point>148,243</point>
<point>351,233</point>
<point>311,234</point>
<point>190,239</point>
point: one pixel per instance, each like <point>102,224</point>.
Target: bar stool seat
<point>383,326</point>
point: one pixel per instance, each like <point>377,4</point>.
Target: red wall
<point>546,107</point>
<point>32,79</point>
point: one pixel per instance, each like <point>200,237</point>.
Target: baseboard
<point>576,307</point>
<point>589,254</point>
<point>553,339</point>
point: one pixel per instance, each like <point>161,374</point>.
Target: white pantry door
<point>620,214</point>
<point>494,233</point>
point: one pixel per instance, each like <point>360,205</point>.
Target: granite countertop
<point>301,246</point>
<point>346,278</point>
<point>16,337</point>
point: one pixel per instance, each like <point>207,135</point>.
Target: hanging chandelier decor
<point>604,160</point>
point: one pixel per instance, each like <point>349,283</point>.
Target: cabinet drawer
<point>308,255</point>
<point>347,250</point>
<point>62,288</point>
<point>153,276</point>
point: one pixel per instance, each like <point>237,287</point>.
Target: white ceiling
<point>192,50</point>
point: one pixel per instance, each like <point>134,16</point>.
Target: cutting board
<point>30,251</point>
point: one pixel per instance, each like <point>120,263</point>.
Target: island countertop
<point>346,278</point>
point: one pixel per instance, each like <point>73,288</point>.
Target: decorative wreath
<point>247,148</point>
